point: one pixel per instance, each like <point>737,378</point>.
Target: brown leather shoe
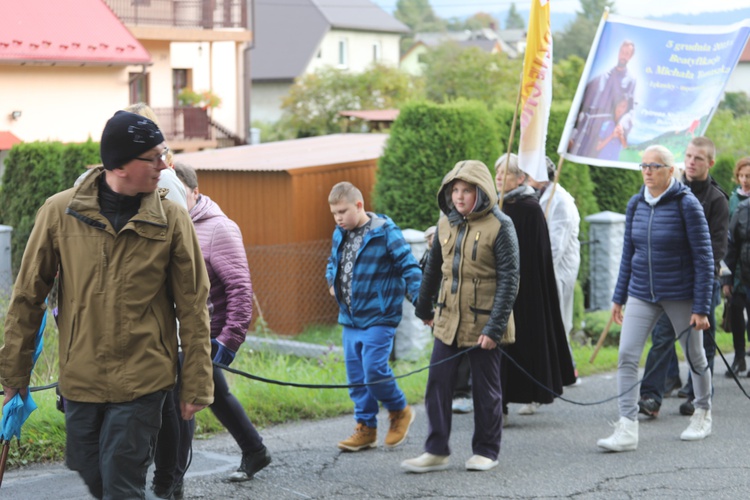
<point>364,437</point>
<point>400,422</point>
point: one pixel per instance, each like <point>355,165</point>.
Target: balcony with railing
<point>191,129</point>
<point>195,14</point>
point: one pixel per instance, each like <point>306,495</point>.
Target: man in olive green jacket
<point>129,262</point>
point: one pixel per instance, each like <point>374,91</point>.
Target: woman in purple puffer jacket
<point>231,300</point>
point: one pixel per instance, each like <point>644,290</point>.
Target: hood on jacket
<point>474,172</point>
<point>205,208</point>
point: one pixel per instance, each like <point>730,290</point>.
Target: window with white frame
<point>376,52</point>
<point>343,52</point>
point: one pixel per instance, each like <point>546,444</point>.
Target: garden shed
<point>277,193</point>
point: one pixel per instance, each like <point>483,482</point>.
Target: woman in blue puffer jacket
<point>666,267</point>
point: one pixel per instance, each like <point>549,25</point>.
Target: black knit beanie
<point>126,136</point>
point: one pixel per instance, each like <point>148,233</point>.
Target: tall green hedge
<point>76,158</point>
<point>425,143</point>
<point>34,172</point>
<point>615,187</point>
<point>723,172</point>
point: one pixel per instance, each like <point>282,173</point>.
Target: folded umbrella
<point>18,409</point>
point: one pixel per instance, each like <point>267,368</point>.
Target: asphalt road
<point>551,454</point>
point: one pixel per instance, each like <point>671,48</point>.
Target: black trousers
<point>486,392</point>
<point>111,445</point>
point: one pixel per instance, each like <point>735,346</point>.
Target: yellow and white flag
<point>536,92</point>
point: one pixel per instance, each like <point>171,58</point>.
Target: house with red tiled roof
<point>67,65</point>
<point>62,74</point>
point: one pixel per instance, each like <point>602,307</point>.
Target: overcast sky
<point>632,8</point>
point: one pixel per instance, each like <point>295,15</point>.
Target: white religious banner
<point>648,82</point>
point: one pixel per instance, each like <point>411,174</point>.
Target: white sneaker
<point>529,409</point>
<point>463,405</point>
<point>700,426</point>
<point>426,462</point>
<point>478,462</point>
<point>625,437</point>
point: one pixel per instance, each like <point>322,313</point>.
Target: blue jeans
<point>661,362</point>
<point>366,354</point>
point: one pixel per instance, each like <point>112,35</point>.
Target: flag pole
<point>601,340</point>
<point>510,141</point>
<point>554,186</point>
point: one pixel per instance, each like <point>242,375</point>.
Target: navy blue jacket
<point>383,270</point>
<point>666,252</point>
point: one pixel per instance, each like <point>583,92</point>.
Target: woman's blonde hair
<point>665,155</point>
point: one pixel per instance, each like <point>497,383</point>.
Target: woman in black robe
<point>541,348</point>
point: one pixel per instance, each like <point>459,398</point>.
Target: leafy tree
<point>566,74</point>
<point>736,102</point>
<point>418,15</point>
<point>514,20</point>
<point>592,10</point>
<point>578,35</point>
<point>453,71</point>
<point>479,21</point>
<point>314,101</point>
<point>729,133</point>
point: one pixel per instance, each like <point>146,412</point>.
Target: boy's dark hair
<point>345,192</point>
<point>186,174</point>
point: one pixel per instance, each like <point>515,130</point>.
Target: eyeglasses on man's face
<point>651,166</point>
<point>155,160</point>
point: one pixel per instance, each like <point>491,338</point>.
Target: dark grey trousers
<point>111,445</point>
<point>486,392</point>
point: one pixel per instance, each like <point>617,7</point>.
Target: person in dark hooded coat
<point>541,347</point>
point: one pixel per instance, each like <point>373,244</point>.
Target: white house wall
<point>197,56</point>
<point>265,101</point>
<point>68,104</point>
<point>411,64</point>
<point>360,50</point>
<point>739,81</point>
<point>266,97</point>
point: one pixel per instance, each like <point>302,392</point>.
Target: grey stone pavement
<point>551,454</point>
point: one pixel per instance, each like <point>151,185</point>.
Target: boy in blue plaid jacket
<point>370,269</point>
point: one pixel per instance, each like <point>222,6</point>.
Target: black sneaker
<point>179,490</point>
<point>649,406</point>
<point>687,408</point>
<point>251,464</point>
<point>738,365</point>
<point>158,491</point>
<point>672,384</point>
